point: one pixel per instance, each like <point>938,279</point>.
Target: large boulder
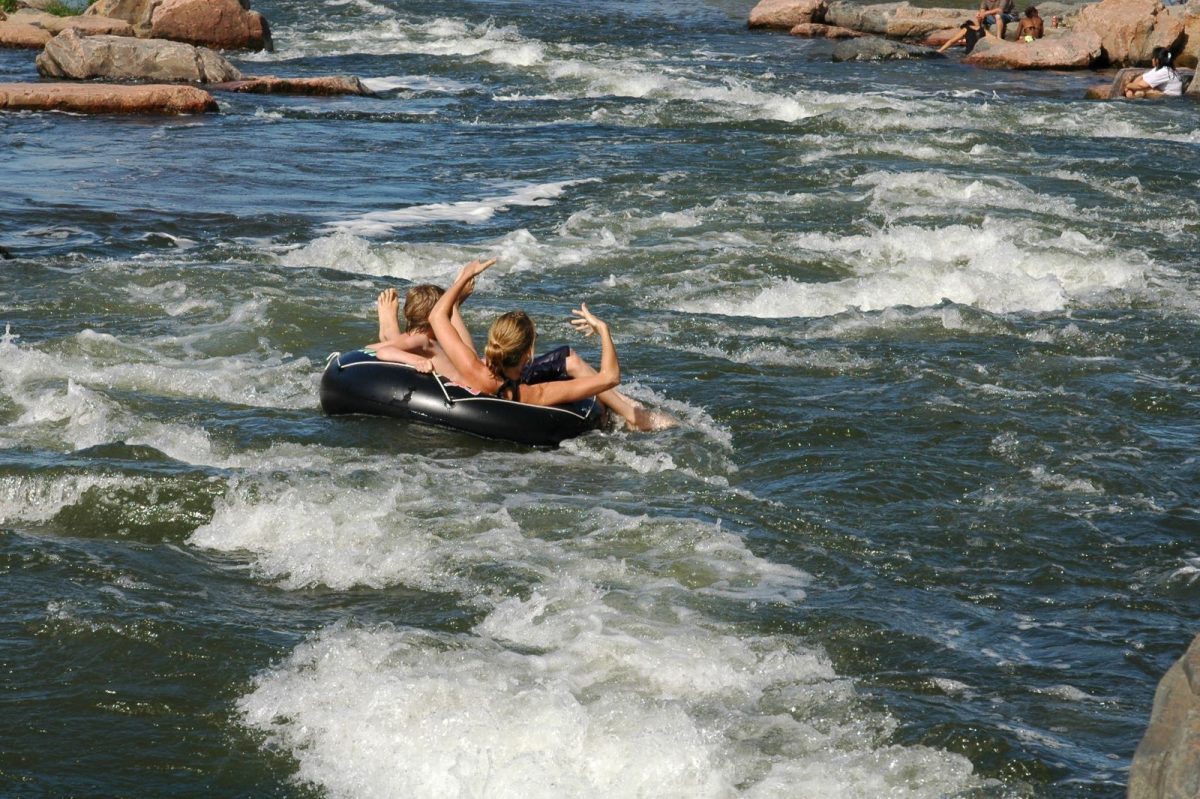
<point>69,55</point>
<point>135,12</point>
<point>916,23</point>
<point>871,48</point>
<point>815,30</point>
<point>105,98</point>
<point>220,24</point>
<point>1165,763</point>
<point>1189,18</point>
<point>1130,29</point>
<point>786,14</point>
<point>20,34</point>
<point>866,18</point>
<point>88,25</point>
<point>1075,50</point>
<point>326,86</point>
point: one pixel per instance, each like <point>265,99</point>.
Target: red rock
<point>220,24</point>
<point>19,34</point>
<point>1074,50</point>
<point>815,30</point>
<point>1130,29</point>
<point>786,14</point>
<point>320,86</point>
<point>105,98</point>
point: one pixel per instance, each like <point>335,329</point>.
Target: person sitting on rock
<point>1160,81</point>
<point>970,32</point>
<point>999,17</point>
<point>1031,27</point>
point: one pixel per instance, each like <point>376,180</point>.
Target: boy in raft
<point>418,346</point>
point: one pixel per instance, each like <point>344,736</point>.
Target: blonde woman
<point>509,369</point>
<point>509,351</point>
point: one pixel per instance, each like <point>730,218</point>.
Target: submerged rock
<point>1165,764</point>
<point>321,86</point>
<point>871,48</point>
<point>1075,50</point>
<point>70,55</point>
<point>786,14</point>
<point>105,98</point>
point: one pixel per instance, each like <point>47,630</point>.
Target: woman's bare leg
<point>636,415</point>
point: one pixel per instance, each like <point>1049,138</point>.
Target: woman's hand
<point>586,322</point>
<point>473,270</point>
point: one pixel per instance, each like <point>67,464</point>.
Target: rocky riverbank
<point>1110,33</point>
<point>156,43</point>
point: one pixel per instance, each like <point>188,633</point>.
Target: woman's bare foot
<point>647,421</point>
<point>388,308</point>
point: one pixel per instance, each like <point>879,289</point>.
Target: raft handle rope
<point>441,384</point>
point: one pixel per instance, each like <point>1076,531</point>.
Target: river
<point>928,526</point>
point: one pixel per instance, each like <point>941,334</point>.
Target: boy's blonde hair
<point>510,341</point>
<point>417,304</point>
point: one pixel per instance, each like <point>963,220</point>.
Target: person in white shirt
<point>1159,81</point>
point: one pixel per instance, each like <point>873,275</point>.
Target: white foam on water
<point>899,196</point>
<point>596,668</point>
<point>417,83</point>
<point>377,223</point>
<point>1188,573</point>
<point>62,396</point>
<point>622,77</point>
<point>996,268</point>
<point>564,690</point>
<point>440,37</point>
<point>1070,693</point>
<point>35,498</point>
<point>1050,480</point>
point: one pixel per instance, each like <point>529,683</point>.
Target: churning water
<point>928,527</point>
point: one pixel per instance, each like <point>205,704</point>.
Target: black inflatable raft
<point>355,382</point>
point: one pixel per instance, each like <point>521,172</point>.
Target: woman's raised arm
<point>460,352</point>
<point>561,391</point>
